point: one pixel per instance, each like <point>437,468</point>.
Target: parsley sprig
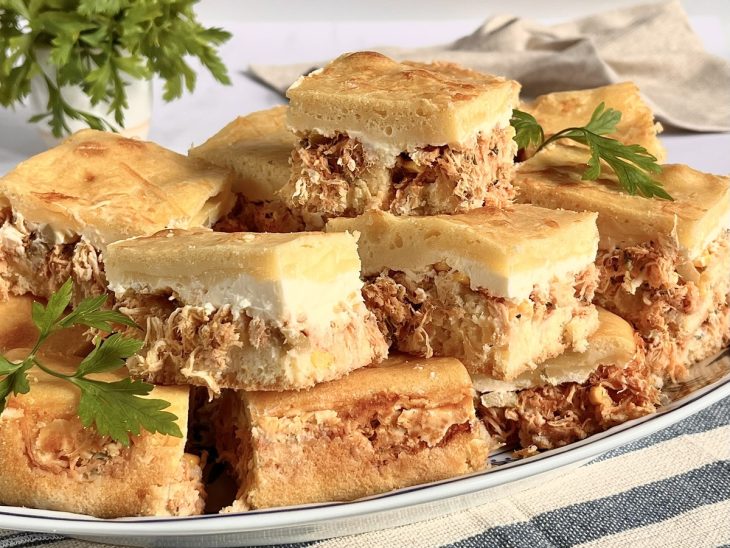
<point>96,45</point>
<point>632,164</point>
<point>115,409</point>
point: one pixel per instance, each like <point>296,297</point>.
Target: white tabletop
<point>195,117</point>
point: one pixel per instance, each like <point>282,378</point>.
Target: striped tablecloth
<point>670,489</point>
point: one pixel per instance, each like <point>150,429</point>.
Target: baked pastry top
<point>506,251</point>
<point>257,147</point>
<point>305,276</point>
<point>107,188</point>
<point>434,379</point>
<point>201,255</point>
<point>699,213</point>
<point>563,109</point>
<point>613,343</point>
<point>400,106</point>
<point>404,422</point>
<point>52,461</point>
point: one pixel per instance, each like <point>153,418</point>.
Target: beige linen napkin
<point>652,45</point>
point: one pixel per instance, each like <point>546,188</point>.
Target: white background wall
<point>287,31</point>
<point>379,10</point>
<point>444,10</point>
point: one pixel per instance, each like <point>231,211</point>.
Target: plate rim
<point>281,518</point>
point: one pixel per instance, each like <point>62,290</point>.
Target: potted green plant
<point>86,63</point>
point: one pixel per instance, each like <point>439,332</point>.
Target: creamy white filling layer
<point>12,237</point>
<point>385,153</point>
<point>515,285</point>
<point>698,250</point>
<point>285,301</point>
<point>544,375</point>
<point>568,367</point>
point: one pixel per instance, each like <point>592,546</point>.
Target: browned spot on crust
<point>52,196</point>
<point>91,148</point>
<point>132,143</point>
<point>89,177</point>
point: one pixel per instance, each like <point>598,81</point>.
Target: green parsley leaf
<point>109,355</point>
<point>45,317</point>
<point>117,409</point>
<point>5,388</point>
<point>7,367</point>
<point>603,121</point>
<point>90,313</point>
<point>16,381</point>
<point>527,130</point>
<point>102,7</point>
<point>19,380</point>
<point>19,6</point>
<point>95,44</point>
<point>632,164</point>
<point>62,23</point>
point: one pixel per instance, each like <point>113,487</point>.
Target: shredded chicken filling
<point>266,216</point>
<point>395,424</point>
<point>217,348</point>
<point>436,313</point>
<point>388,425</point>
<point>30,264</point>
<point>64,446</point>
<point>434,180</point>
<point>681,309</point>
<point>334,177</point>
<point>186,495</point>
<point>554,416</point>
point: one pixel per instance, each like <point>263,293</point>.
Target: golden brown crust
<point>107,187</point>
<point>438,314</point>
<point>557,111</point>
<point>701,205</point>
<point>51,461</point>
<point>195,257</point>
<point>403,105</point>
<point>502,251</point>
<point>440,379</point>
<point>381,428</point>
<point>257,148</point>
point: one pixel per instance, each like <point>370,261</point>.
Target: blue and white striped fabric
<point>669,489</point>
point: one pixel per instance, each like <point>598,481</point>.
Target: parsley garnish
<point>632,164</point>
<point>97,45</point>
<point>116,409</point>
<point>527,130</point>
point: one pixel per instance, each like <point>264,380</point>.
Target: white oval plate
<point>710,383</point>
